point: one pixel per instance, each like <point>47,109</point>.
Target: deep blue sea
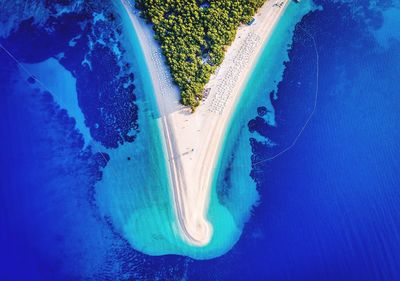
<point>329,204</point>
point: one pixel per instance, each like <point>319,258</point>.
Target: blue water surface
<point>329,205</point>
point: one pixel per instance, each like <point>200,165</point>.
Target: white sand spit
<point>193,141</point>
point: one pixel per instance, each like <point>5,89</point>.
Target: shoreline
<point>193,142</point>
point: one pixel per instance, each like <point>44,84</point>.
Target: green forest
<point>194,35</point>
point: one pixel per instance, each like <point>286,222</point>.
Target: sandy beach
<point>193,142</point>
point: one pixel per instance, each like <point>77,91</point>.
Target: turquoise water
<point>138,200</point>
<point>328,209</point>
<point>134,193</point>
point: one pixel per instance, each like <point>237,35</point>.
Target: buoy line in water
<point>312,112</point>
<point>29,73</point>
<point>20,64</point>
<point>44,86</point>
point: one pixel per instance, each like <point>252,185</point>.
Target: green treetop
<point>194,35</point>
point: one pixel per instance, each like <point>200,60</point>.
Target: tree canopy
<point>194,35</point>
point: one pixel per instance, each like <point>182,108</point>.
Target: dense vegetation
<point>193,36</point>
